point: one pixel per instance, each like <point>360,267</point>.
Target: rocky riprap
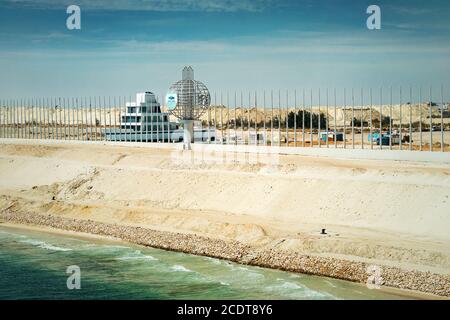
<point>426,282</point>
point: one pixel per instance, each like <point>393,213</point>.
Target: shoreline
<point>244,209</point>
<point>409,283</point>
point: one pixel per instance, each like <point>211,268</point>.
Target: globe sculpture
<point>187,100</point>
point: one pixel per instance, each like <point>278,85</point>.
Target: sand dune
<point>382,212</point>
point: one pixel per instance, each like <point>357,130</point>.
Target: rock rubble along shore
<point>235,251</point>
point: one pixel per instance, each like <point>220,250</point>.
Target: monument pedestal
<point>188,134</point>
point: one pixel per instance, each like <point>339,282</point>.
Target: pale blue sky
<point>129,46</point>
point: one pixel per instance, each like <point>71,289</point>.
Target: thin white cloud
<point>248,48</point>
<point>148,5</point>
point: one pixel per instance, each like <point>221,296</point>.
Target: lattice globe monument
<point>187,100</point>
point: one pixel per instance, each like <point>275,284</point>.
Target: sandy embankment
<point>268,212</point>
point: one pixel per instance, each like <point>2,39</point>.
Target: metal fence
<point>373,119</point>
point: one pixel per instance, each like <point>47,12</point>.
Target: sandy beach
<point>267,212</point>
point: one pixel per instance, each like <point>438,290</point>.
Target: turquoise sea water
<point>33,266</point>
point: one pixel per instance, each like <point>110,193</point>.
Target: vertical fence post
<point>81,117</point>
<point>45,114</point>
<point>271,119</point>
<point>18,109</point>
<point>48,103</point>
<point>75,100</point>
<point>209,119</point>
<point>27,118</point>
<point>26,105</point>
<point>303,118</point>
<point>327,119</point>
<point>5,118</point>
<point>362,118</point>
<point>249,123</point>
<point>318,123</point>
<point>35,101</point>
<point>410,120</point>
<point>442,118</point>
<point>103,110</point>
<point>49,118</point>
<point>22,115</point>
<point>42,111</point>
<point>401,121</point>
<point>371,119</point>
<point>11,118</point>
<point>235,118</point>
<point>127,118</point>
<point>431,120</point>
<point>17,103</point>
<point>335,120</point>
<point>311,137</point>
<point>353,119</point>
<point>95,118</point>
<point>344,118</point>
<point>27,122</point>
<point>58,124</point>
<point>19,118</point>
<point>22,105</point>
<point>2,119</point>
<point>152,119</point>
<point>55,116</point>
<point>420,119</point>
<point>66,100</point>
<point>286,122</point>
<point>115,120</point>
<point>31,123</point>
<point>8,118</point>
<point>80,111</point>
<point>265,118</point>
<point>87,107</point>
<point>120,120</point>
<point>90,119</point>
<point>215,118</point>
<point>64,121</point>
<point>279,117</point>
<point>14,116</point>
<point>41,118</point>
<point>390,120</point>
<point>55,113</point>
<point>138,105</point>
<point>242,119</point>
<point>221,117</point>
<point>295,118</point>
<point>256,119</point>
<point>7,104</point>
<point>381,119</point>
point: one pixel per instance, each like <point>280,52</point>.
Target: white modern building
<point>144,121</point>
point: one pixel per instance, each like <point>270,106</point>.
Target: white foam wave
<point>180,268</point>
<point>44,245</point>
<point>296,291</point>
<point>137,255</point>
